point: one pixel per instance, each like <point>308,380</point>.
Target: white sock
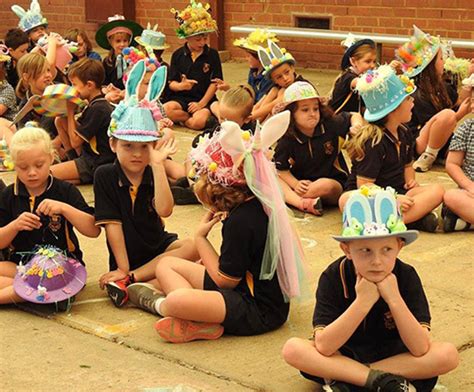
<point>158,303</point>
<point>432,151</point>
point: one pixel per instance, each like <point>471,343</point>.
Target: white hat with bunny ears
<point>137,121</point>
<point>31,18</point>
<point>274,56</point>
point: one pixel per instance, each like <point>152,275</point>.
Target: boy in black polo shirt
<point>193,68</point>
<point>372,320</point>
<point>132,194</point>
<point>85,140</point>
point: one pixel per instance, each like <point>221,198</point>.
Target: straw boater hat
<point>195,19</point>
<point>31,18</point>
<point>151,38</point>
<point>383,91</point>
<point>116,24</point>
<point>255,40</point>
<point>371,213</point>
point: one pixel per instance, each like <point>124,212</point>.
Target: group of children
<point>372,320</point>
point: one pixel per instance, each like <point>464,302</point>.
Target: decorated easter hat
<point>383,91</point>
<point>151,38</point>
<point>4,54</point>
<point>456,68</point>
<point>417,53</point>
<point>53,102</point>
<point>352,45</point>
<point>137,121</point>
<point>195,19</point>
<point>63,51</point>
<point>274,56</point>
<point>299,91</point>
<point>468,81</point>
<point>116,24</point>
<point>31,18</point>
<point>372,212</point>
<point>50,276</point>
<point>133,55</point>
<point>256,39</point>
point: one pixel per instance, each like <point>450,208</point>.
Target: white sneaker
<point>424,162</point>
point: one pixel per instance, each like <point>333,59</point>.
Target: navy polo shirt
<point>203,69</point>
<point>318,156</point>
<point>385,162</point>
<point>260,84</point>
<point>342,89</point>
<point>118,201</point>
<point>55,230</point>
<point>336,292</point>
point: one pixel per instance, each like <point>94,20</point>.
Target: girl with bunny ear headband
<point>245,290</point>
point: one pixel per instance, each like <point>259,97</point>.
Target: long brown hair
<point>33,65</point>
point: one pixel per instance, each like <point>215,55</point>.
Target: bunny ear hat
<point>31,18</point>
<point>273,57</point>
<point>136,121</point>
<point>234,158</point>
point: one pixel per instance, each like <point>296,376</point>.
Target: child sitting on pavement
<point>132,194</point>
<point>371,320</point>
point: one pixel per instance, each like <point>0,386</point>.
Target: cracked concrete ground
<point>100,347</point>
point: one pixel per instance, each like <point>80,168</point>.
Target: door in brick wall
<point>99,11</point>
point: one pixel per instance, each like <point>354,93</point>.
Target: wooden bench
<point>379,39</point>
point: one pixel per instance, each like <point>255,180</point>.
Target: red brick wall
<point>454,19</point>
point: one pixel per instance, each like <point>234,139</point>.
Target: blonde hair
<point>356,144</point>
<point>219,197</point>
<point>241,97</point>
<point>32,64</point>
<point>30,137</point>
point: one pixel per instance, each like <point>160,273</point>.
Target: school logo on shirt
<point>206,68</point>
<point>388,320</point>
<point>328,148</point>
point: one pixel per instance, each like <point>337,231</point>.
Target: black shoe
<point>452,222</point>
<point>387,382</point>
<point>428,223</point>
<point>183,196</point>
<point>117,291</point>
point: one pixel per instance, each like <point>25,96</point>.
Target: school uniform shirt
<point>244,234</point>
<point>8,99</point>
<point>203,69</point>
<point>336,292</point>
<point>118,201</point>
<point>342,89</point>
<point>260,84</point>
<point>92,128</point>
<point>463,140</point>
<point>55,230</point>
<point>318,156</point>
<point>111,73</point>
<point>385,162</point>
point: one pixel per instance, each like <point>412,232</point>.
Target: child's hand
<point>366,292</point>
<point>27,222</point>
<point>193,107</point>
<point>54,39</point>
<point>302,187</point>
<point>50,207</point>
<point>388,289</point>
<point>396,65</point>
<point>165,123</point>
<point>220,84</point>
<point>279,107</point>
<point>111,276</point>
<point>464,108</point>
<point>186,84</point>
<point>410,184</point>
<point>406,202</point>
<point>208,222</point>
<point>162,150</point>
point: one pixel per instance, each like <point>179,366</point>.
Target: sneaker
<point>428,223</point>
<point>424,162</point>
<point>337,386</point>
<point>184,196</point>
<point>144,295</point>
<point>117,291</point>
<point>387,382</point>
<point>177,330</point>
<point>312,206</point>
<point>452,222</point>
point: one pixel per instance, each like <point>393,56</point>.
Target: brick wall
<point>454,19</point>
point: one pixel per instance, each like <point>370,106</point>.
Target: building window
<point>313,22</point>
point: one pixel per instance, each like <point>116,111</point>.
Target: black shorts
<point>185,101</point>
<point>86,169</point>
<point>242,315</point>
<point>373,353</point>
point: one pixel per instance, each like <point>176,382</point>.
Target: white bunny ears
<point>31,18</point>
<point>274,57</point>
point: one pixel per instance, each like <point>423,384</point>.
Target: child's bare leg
<point>436,131</point>
<point>7,293</point>
<point>174,273</point>
<point>175,112</point>
<point>440,359</point>
<point>66,171</point>
<point>426,198</point>
<point>327,189</point>
<point>174,170</point>
<point>61,126</point>
<point>303,355</point>
<point>183,249</point>
<point>215,109</point>
<point>291,197</point>
<point>198,119</point>
<point>461,203</point>
<point>343,199</point>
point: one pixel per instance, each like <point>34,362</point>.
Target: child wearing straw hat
<point>372,319</point>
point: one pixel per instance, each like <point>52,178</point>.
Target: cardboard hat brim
<point>139,41</point>
<point>268,74</point>
<point>371,117</point>
<point>197,33</point>
<point>345,62</point>
<point>56,104</point>
<point>416,71</point>
<point>134,138</point>
<point>34,27</point>
<point>408,236</point>
<point>101,35</point>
